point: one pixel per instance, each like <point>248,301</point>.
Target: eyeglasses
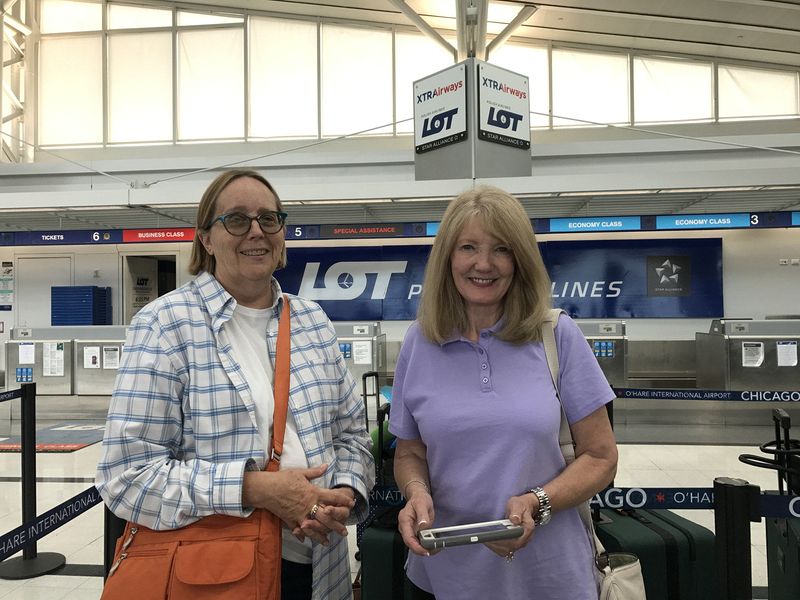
<point>239,224</point>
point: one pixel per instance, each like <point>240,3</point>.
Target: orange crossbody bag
<point>219,557</point>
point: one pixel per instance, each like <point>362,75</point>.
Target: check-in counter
<point>95,364</point>
<point>608,341</point>
<point>46,362</point>
<point>743,354</point>
<point>364,349</point>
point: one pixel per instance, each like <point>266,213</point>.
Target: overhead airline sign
<point>181,234</point>
<point>429,229</point>
<point>636,278</point>
<point>503,107</point>
<point>440,109</point>
<point>605,279</point>
<point>365,283</point>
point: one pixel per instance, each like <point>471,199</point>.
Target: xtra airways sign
<point>593,279</point>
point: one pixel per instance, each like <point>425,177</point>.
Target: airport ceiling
<point>749,31</point>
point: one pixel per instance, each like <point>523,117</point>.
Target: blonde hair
<point>201,260</point>
<point>442,312</point>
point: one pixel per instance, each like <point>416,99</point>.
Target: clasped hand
<point>291,496</point>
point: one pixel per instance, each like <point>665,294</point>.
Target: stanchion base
<point>19,568</point>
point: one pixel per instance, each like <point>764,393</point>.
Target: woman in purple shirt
<point>477,417</point>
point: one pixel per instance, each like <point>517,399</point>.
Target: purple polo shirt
<point>489,417</point>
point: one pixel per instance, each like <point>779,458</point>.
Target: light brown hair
<point>201,260</point>
<point>442,312</point>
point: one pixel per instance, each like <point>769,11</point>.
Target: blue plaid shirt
<point>182,429</point>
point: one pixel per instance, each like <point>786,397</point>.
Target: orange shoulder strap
<point>281,387</point>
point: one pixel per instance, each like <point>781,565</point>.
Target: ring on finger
<point>312,514</point>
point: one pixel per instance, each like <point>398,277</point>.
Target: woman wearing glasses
<point>190,420</point>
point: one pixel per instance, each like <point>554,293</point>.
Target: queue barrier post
<point>736,504</point>
<point>366,394</point>
<point>113,528</point>
<point>31,563</point>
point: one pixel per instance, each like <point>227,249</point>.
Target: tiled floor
<point>646,465</point>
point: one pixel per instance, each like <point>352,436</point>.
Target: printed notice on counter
<point>752,354</point>
<point>362,353</point>
<point>52,359</point>
<point>787,353</point>
<point>91,357</point>
<point>110,357</point>
<point>26,354</point>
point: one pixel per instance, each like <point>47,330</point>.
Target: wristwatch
<point>542,516</point>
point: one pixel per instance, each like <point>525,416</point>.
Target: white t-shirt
<point>247,334</point>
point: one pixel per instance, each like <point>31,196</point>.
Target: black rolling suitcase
<point>677,555</point>
<point>382,551</point>
<point>783,535</point>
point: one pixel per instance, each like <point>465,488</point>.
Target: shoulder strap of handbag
<point>565,434</point>
<point>281,387</point>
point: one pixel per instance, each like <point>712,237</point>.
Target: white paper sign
<point>752,354</point>
<point>362,353</point>
<point>503,107</point>
<point>110,357</point>
<point>52,359</point>
<point>787,353</point>
<point>440,109</point>
<point>26,354</point>
<point>91,357</point>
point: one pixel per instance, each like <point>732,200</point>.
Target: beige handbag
<point>619,573</point>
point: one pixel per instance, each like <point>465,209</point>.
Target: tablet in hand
<point>471,533</point>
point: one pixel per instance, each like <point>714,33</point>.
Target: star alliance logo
<point>669,275</point>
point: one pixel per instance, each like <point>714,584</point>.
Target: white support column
<point>15,120</point>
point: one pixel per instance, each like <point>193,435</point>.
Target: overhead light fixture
<point>432,199</point>
<point>367,201</point>
<point>748,188</point>
<point>780,187</point>
<point>167,206</point>
<point>90,208</point>
<point>539,195</point>
<point>609,193</point>
<point>29,210</point>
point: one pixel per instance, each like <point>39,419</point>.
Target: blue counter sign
<point>717,221</point>
<point>796,219</point>
<point>38,238</point>
<point>595,224</point>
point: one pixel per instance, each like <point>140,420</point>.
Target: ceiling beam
<point>471,19</point>
<point>525,13</point>
<point>423,26</point>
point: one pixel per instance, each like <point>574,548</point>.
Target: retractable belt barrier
<point>677,498</point>
<point>31,563</point>
<point>27,533</point>
<point>725,395</point>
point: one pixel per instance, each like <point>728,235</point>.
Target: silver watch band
<point>542,516</point>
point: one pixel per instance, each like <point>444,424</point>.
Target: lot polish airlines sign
<point>591,279</point>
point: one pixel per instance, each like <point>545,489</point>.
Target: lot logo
<point>503,119</point>
<point>348,280</point>
<point>669,275</point>
<point>438,123</point>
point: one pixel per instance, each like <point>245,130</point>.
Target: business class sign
<point>591,279</point>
